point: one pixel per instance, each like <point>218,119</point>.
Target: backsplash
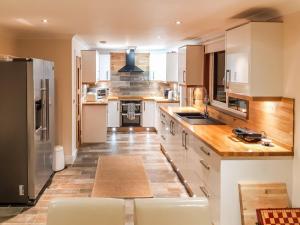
<point>273,116</point>
<point>134,84</point>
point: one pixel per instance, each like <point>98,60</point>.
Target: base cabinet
<point>94,128</point>
<point>113,114</point>
<point>209,175</point>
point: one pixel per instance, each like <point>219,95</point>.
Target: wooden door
<point>78,100</point>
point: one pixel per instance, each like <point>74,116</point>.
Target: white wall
<point>292,88</point>
<point>77,46</point>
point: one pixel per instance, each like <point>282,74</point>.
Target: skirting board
<point>70,159</point>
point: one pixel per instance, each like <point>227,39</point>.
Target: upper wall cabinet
<point>104,61</point>
<point>157,66</point>
<point>254,59</point>
<point>90,66</point>
<point>191,65</point>
<point>172,67</point>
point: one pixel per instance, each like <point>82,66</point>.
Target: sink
<point>198,119</point>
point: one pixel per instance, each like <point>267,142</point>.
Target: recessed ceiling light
<point>178,22</point>
<point>44,20</point>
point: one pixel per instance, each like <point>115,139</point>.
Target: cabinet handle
<point>183,76</point>
<point>205,192</point>
<point>153,75</point>
<point>173,130</point>
<point>117,106</point>
<point>182,138</point>
<point>186,134</point>
<point>202,148</point>
<point>107,75</point>
<point>162,122</point>
<point>163,115</point>
<point>144,107</point>
<point>204,164</point>
<point>171,127</point>
<point>163,137</point>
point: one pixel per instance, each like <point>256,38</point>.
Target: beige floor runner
<point>121,176</point>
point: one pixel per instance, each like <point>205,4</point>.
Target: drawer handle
<point>204,151</point>
<point>162,122</point>
<point>205,192</point>
<point>163,137</point>
<point>163,115</point>
<point>204,164</point>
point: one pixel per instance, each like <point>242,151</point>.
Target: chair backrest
<point>259,196</point>
<point>172,211</point>
<point>91,211</point>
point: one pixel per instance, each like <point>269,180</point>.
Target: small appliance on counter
<point>102,93</point>
<point>166,93</point>
<point>247,135</point>
<point>170,95</point>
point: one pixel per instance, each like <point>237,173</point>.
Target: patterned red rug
<point>278,216</point>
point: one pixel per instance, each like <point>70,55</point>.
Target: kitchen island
<point>94,121</point>
<point>211,162</point>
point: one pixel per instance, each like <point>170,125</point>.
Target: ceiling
<point>147,24</point>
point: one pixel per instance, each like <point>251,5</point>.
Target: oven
<point>134,117</point>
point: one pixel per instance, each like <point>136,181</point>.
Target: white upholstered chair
<point>171,211</point>
<point>89,211</point>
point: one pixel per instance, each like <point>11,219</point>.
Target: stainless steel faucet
<point>205,101</point>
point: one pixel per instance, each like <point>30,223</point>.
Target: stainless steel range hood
<point>130,66</point>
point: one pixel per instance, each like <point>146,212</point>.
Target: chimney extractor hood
<point>130,66</point>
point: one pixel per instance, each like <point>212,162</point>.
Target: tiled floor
<point>77,180</point>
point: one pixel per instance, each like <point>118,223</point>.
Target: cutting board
<point>257,196</point>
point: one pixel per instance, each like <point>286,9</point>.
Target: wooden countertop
<point>221,139</point>
<point>150,98</point>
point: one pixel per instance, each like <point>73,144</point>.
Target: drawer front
<point>207,170</point>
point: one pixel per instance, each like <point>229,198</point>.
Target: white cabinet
<point>157,66</point>
<point>90,66</point>
<point>94,128</point>
<point>148,113</point>
<point>113,114</point>
<point>104,61</point>
<point>191,65</point>
<point>158,112</point>
<point>210,175</point>
<point>172,67</point>
<point>254,59</point>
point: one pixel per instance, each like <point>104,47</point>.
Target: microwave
<point>102,93</point>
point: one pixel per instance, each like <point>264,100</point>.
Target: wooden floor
<point>77,180</point>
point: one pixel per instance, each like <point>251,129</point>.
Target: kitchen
<point>211,120</point>
<point>207,144</point>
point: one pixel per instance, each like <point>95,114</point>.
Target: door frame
<point>78,100</point>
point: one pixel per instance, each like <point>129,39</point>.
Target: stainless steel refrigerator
<point>26,129</point>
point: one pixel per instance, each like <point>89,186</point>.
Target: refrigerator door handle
<point>47,105</point>
<point>44,108</point>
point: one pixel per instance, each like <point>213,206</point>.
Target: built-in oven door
<point>136,122</point>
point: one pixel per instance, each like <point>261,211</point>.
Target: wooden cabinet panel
<point>90,66</point>
<point>94,128</point>
<point>191,65</point>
